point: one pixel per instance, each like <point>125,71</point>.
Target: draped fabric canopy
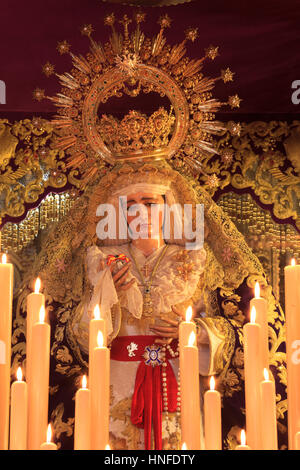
<point>258,40</point>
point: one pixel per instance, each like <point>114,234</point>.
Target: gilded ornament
<point>212,52</point>
<point>164,21</point>
<point>63,47</point>
<point>234,128</point>
<point>140,17</point>
<point>48,69</point>
<point>86,30</point>
<point>213,181</point>
<point>234,101</point>
<point>39,94</point>
<point>227,75</point>
<point>109,20</point>
<point>139,58</point>
<point>191,34</point>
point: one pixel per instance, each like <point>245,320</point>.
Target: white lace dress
<point>175,282</point>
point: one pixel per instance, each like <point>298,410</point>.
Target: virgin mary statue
<point>119,248</point>
<point>143,287</point>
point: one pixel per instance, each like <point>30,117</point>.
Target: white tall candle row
<point>28,414</point>
<point>257,391</point>
<point>92,405</point>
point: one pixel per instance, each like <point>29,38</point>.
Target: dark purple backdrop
<point>259,41</point>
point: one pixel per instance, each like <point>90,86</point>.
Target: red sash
<point>147,402</point>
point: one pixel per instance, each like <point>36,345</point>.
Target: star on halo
<point>63,47</point>
<point>234,101</point>
<point>227,75</point>
<point>212,52</point>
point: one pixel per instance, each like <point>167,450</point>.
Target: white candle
<point>82,431</point>
<point>35,300</point>
<point>297,441</point>
<point>243,445</point>
<point>190,395</point>
<point>48,445</point>
<point>185,329</point>
<point>100,395</point>
<point>261,308</point>
<point>18,414</point>
<point>253,373</point>
<point>212,418</point>
<point>97,324</point>
<point>39,396</point>
<point>6,298</point>
<point>268,414</point>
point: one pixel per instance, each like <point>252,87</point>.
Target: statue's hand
<point>120,277</point>
<point>167,333</point>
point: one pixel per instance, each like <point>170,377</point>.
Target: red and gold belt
<point>147,399</point>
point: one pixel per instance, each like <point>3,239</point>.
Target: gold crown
<point>137,135</point>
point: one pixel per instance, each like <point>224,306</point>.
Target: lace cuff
<point>104,291</point>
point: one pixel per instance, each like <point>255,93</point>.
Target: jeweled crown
<point>137,133</point>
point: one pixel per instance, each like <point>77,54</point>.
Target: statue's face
<point>145,206</point>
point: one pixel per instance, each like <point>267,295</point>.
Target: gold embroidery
<point>60,426</point>
<point>172,442</point>
<point>121,411</point>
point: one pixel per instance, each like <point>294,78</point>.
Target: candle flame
<point>188,314</point>
<point>4,258</point>
<point>293,262</point>
<point>97,312</point>
<point>192,338</point>
<point>266,374</point>
<point>243,437</point>
<point>42,314</point>
<point>212,383</point>
<point>253,315</point>
<point>107,447</point>
<point>37,285</point>
<point>184,447</point>
<point>100,339</point>
<point>257,290</point>
<point>19,374</point>
<point>49,433</point>
<point>84,381</point>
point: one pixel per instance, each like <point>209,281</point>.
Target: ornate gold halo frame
<point>131,64</point>
<point>151,75</point>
